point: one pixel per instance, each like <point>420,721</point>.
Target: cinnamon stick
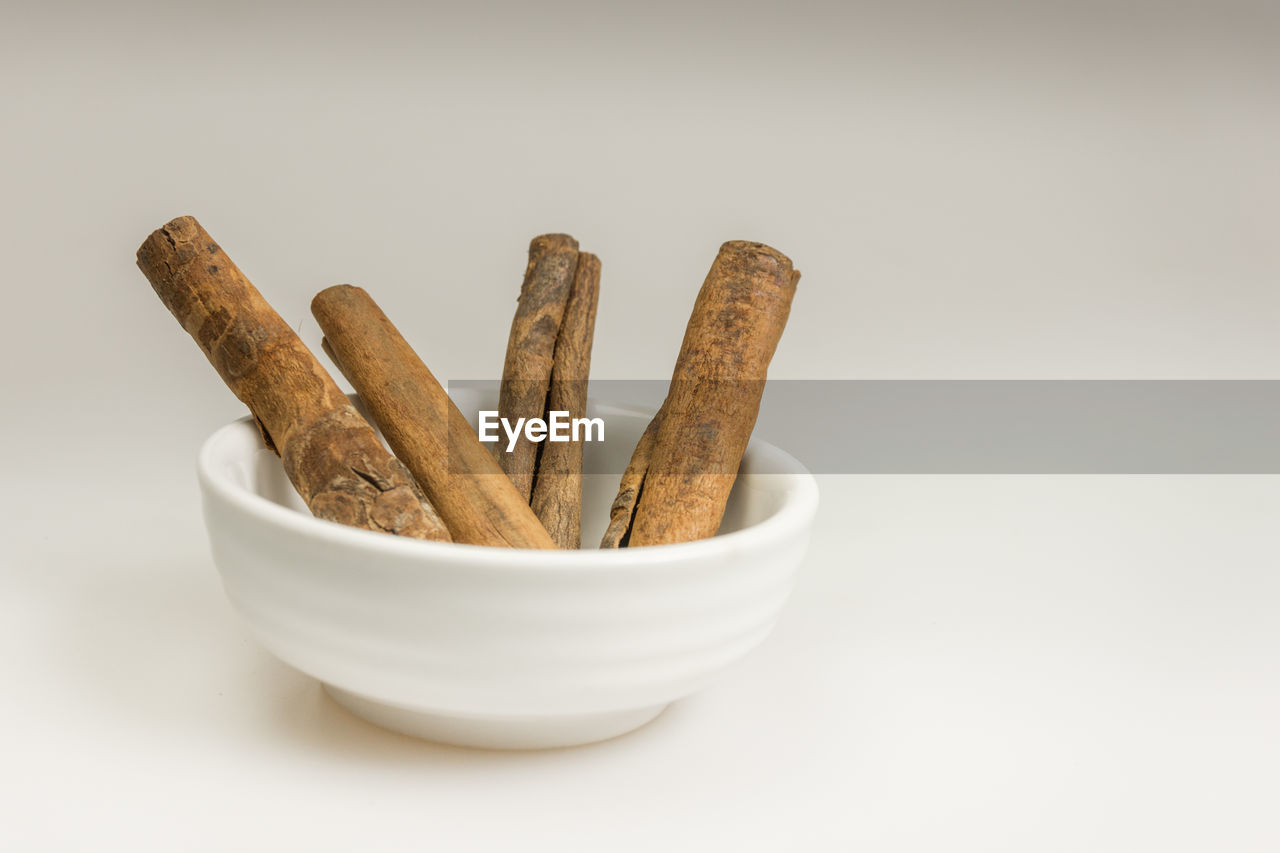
<point>423,426</point>
<point>706,420</point>
<point>557,484</point>
<point>329,452</point>
<point>526,375</point>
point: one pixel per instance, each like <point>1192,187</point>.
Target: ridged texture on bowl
<point>468,630</point>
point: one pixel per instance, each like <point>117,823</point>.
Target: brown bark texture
<point>711,407</point>
<point>329,452</point>
<point>623,510</point>
<point>526,374</point>
<point>423,426</point>
<point>557,484</point>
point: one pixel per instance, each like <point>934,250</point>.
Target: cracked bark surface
<point>329,452</point>
<point>682,471</point>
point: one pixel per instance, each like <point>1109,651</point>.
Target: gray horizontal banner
<point>996,427</point>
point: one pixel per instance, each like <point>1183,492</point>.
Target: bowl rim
<point>798,508</point>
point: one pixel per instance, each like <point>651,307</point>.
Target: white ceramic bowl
<point>498,647</point>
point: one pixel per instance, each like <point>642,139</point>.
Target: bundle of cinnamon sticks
<point>442,483</point>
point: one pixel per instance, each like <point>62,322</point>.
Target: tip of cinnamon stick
<point>753,254</point>
<point>339,292</point>
<point>750,247</point>
<point>544,243</point>
<point>182,223</point>
<point>177,230</point>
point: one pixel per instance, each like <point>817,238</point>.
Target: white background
<point>968,663</point>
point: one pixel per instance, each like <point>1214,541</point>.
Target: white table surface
<point>968,663</point>
<point>976,663</point>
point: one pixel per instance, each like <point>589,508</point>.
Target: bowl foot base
<point>517,732</point>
